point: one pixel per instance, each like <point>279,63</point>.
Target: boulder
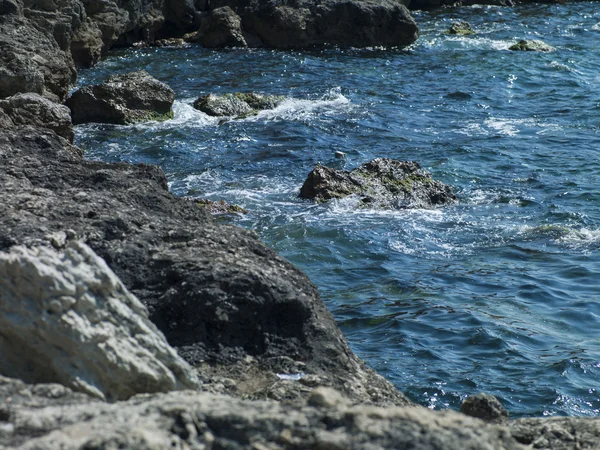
<point>123,99</point>
<point>231,306</point>
<point>531,46</point>
<point>304,23</point>
<point>485,407</point>
<point>33,109</point>
<point>461,28</point>
<point>221,28</point>
<point>68,319</point>
<point>238,105</point>
<point>381,183</point>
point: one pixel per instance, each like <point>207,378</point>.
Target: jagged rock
<point>221,28</point>
<point>217,293</point>
<point>33,109</point>
<point>123,99</point>
<point>238,105</point>
<point>68,319</point>
<point>461,28</point>
<point>485,407</point>
<point>381,183</point>
<point>87,44</point>
<point>220,207</point>
<point>305,23</point>
<point>194,420</point>
<point>531,46</point>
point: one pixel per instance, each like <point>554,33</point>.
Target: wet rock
<point>531,46</point>
<point>33,109</point>
<point>238,105</point>
<point>304,23</point>
<point>381,183</point>
<point>196,420</point>
<point>218,294</point>
<point>68,319</point>
<point>485,407</point>
<point>123,99</point>
<point>461,28</point>
<point>220,207</point>
<point>222,28</point>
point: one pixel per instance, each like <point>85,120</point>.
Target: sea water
<point>498,293</point>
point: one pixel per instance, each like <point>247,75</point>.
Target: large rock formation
<point>381,183</point>
<point>67,318</point>
<point>123,99</point>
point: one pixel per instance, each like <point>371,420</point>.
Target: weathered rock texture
<point>123,99</point>
<point>67,318</point>
<point>222,28</point>
<point>485,407</point>
<point>236,105</point>
<point>218,294</point>
<point>381,183</point>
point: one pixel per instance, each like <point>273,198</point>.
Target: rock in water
<point>532,46</point>
<point>461,28</point>
<point>381,183</point>
<point>238,105</point>
<point>123,99</point>
<point>485,407</point>
<point>67,318</point>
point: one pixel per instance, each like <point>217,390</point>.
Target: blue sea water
<point>499,293</point>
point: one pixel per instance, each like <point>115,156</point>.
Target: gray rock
<point>33,109</point>
<point>531,46</point>
<point>485,407</point>
<point>222,28</point>
<point>461,28</point>
<point>237,105</point>
<point>557,433</point>
<point>123,99</point>
<point>68,319</point>
<point>381,183</point>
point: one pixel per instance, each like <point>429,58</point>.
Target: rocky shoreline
<point>132,319</point>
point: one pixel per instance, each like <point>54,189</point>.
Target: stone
<point>381,183</point>
<point>461,28</point>
<point>33,109</point>
<point>531,46</point>
<point>68,319</point>
<point>123,99</point>
<point>485,407</point>
<point>220,207</point>
<point>221,28</point>
<point>237,105</point>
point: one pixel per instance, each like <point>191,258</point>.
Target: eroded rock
<point>237,105</point>
<point>68,319</point>
<point>381,183</point>
<point>222,28</point>
<point>123,99</point>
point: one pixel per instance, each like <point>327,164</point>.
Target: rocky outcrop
<point>221,28</point>
<point>237,105</point>
<point>381,183</point>
<point>123,99</point>
<point>33,109</point>
<point>230,305</point>
<point>531,46</point>
<point>66,318</point>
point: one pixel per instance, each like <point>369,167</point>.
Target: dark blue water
<point>499,293</point>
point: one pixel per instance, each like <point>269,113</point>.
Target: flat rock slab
<point>123,99</point>
<point>381,183</point>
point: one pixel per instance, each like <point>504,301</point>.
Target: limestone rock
<point>33,109</point>
<point>381,183</point>
<point>123,99</point>
<point>68,319</point>
<point>222,28</point>
<point>531,46</point>
<point>485,407</point>
<point>238,105</point>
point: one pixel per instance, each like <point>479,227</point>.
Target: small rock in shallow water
<point>239,104</point>
<point>461,28</point>
<point>531,46</point>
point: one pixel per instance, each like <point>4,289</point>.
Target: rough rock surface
<point>485,407</point>
<point>238,105</point>
<point>192,420</point>
<point>222,28</point>
<point>305,23</point>
<point>220,206</point>
<point>435,4</point>
<point>381,183</point>
<point>461,28</point>
<point>218,294</point>
<point>123,99</point>
<point>67,318</point>
<point>33,109</point>
<point>531,46</point>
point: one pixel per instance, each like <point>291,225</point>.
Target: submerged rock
<point>238,105</point>
<point>531,46</point>
<point>67,318</point>
<point>381,183</point>
<point>461,28</point>
<point>123,99</point>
